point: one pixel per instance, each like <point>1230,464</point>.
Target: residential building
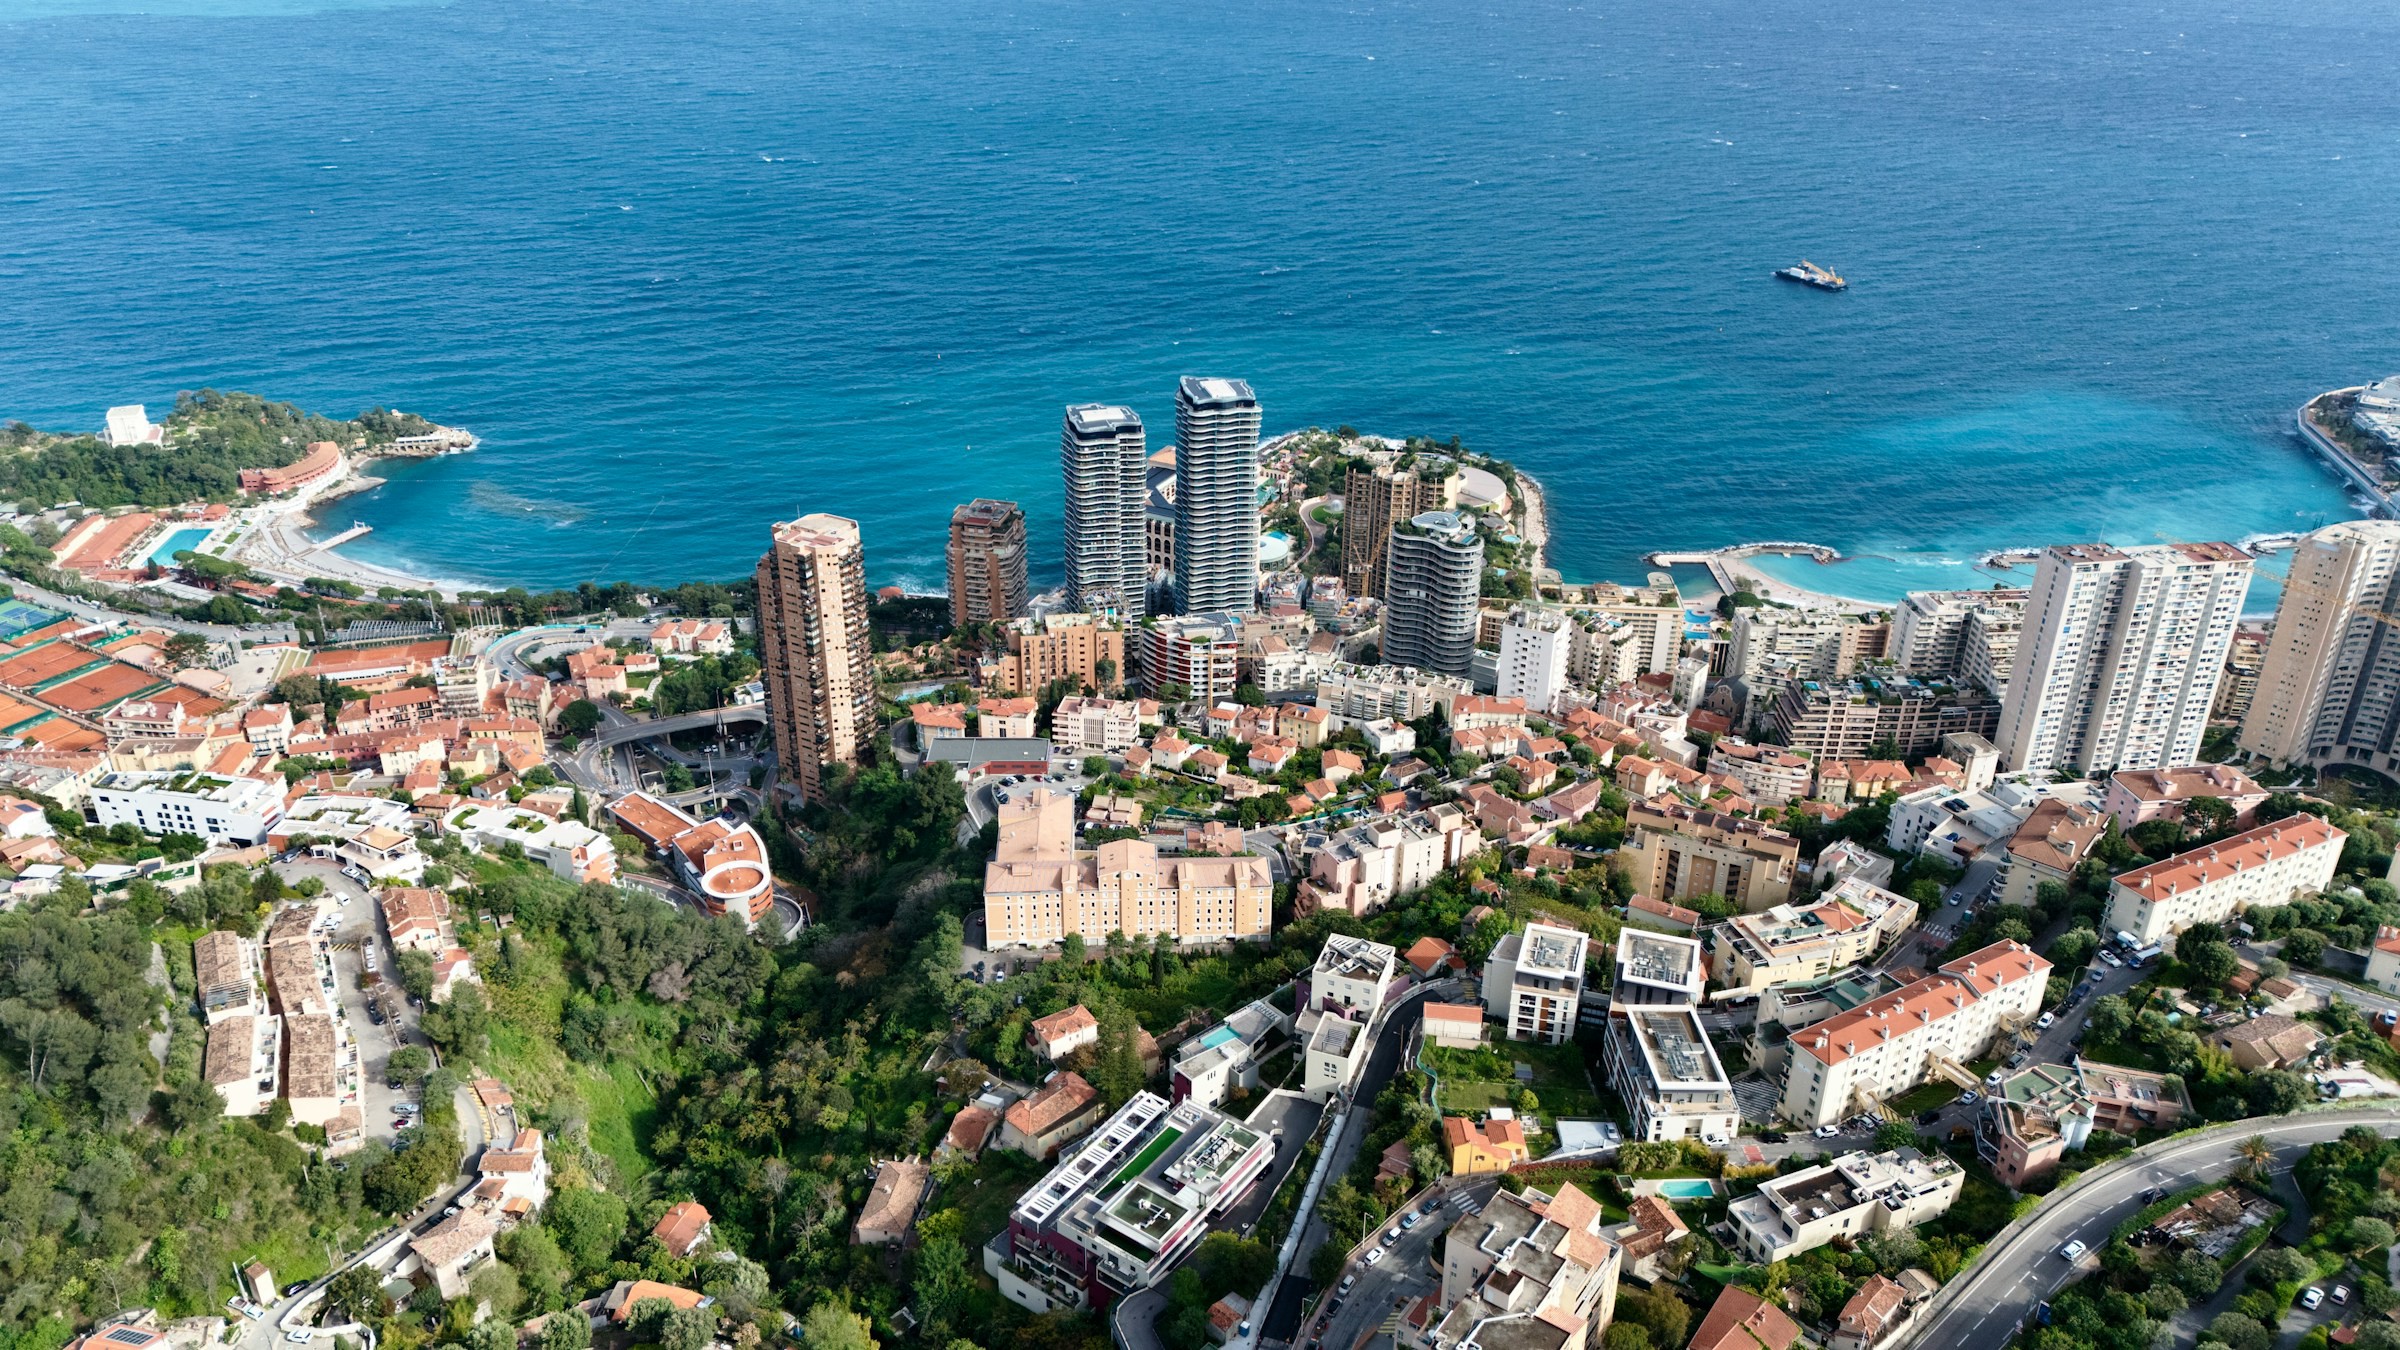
<point>1377,493</point>
<point>891,1206</point>
<point>1125,1207</point>
<point>226,965</point>
<point>2237,691</point>
<point>1226,1056</point>
<point>1769,775</point>
<point>1533,982</point>
<point>1368,865</point>
<point>2383,960</point>
<point>571,850</point>
<point>814,648</point>
<point>1741,1320</point>
<point>449,1253</point>
<point>2139,795</point>
<point>987,562</point>
<point>1858,1059</point>
<point>1532,1271</point>
<point>243,1061</point>
<point>130,425</point>
<point>2123,647</point>
<point>1657,970</point>
<point>1958,825</point>
<point>2052,842</point>
<point>1387,692</point>
<point>1433,575</point>
<point>2270,865</point>
<point>1095,726</point>
<point>513,1181</point>
<point>1063,1033</point>
<point>1534,647</point>
<point>1855,1196</point>
<point>1058,1112</point>
<point>1038,887</point>
<point>1352,974</point>
<point>617,1305</point>
<point>1846,926</point>
<point>1100,455</point>
<point>1846,719</point>
<point>1773,646</point>
<point>2026,1126</point>
<point>683,1228</point>
<point>693,637</point>
<point>1879,1308</point>
<point>1936,634</point>
<point>1216,495</point>
<point>1661,1064</point>
<point>219,808</point>
<point>1084,648</point>
<point>1333,1047</point>
<point>1624,632</point>
<point>2267,1041</point>
<point>1494,1146</point>
<point>1676,850</point>
<point>1200,652</point>
<point>2328,689</point>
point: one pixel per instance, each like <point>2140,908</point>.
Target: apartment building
<point>1773,646</point>
<point>2052,842</point>
<point>1675,851</point>
<point>1887,1045</point>
<point>2025,1127</point>
<point>1396,693</point>
<point>1657,970</point>
<point>1039,887</point>
<point>1378,494</point>
<point>1533,982</point>
<point>571,850</point>
<point>814,648</point>
<point>219,808</point>
<point>1095,726</point>
<point>1656,1053</point>
<point>1770,775</point>
<point>2140,795</point>
<point>1123,1209</point>
<point>1085,648</point>
<point>1201,652</point>
<point>987,562</point>
<point>1856,1195</point>
<point>1624,632</point>
<point>2121,655</point>
<point>1368,865</point>
<point>1535,645</point>
<point>1532,1271</point>
<point>1216,495</point>
<point>1352,974</point>
<point>1792,944</point>
<point>1844,719</point>
<point>1227,1055</point>
<point>1433,574</point>
<point>1968,636</point>
<point>2328,688</point>
<point>226,966</point>
<point>1106,472</point>
<point>2270,865</point>
<point>2237,691</point>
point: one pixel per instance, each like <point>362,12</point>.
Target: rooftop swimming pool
<point>178,541</point>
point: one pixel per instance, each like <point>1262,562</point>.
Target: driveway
<point>1297,1118</point>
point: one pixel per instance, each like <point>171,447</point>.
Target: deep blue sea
<point>689,268</point>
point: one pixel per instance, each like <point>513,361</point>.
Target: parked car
<point>1409,1220</point>
<point>1968,1098</point>
<point>297,1337</point>
<point>1772,1136</point>
<point>1392,1236</point>
<point>2073,1250</point>
<point>1376,1255</point>
<point>1929,1117</point>
<point>2046,1021</point>
<point>2153,1195</point>
<point>2098,976</point>
<point>2341,1293</point>
<point>1827,1131</point>
<point>2311,1297</point>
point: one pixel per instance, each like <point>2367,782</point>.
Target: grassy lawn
<point>989,1192</point>
<point>1925,1097</point>
<point>1476,1080</point>
<point>2124,1053</point>
<point>623,1113</point>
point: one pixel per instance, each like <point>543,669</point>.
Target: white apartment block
<point>1958,635</point>
<point>218,808</point>
<point>2271,865</point>
<point>1657,970</point>
<point>1101,457</point>
<point>1624,632</point>
<point>1398,693</point>
<point>1227,1055</point>
<point>2122,650</point>
<point>1216,495</point>
<point>1368,865</point>
<point>1201,652</point>
<point>2328,687</point>
<point>1773,645</point>
<point>1887,1045</point>
<point>1673,1085</point>
<point>1854,1196</point>
<point>1533,982</point>
<point>1790,944</point>
<point>1534,645</point>
<point>1352,973</point>
<point>1095,726</point>
<point>1770,774</point>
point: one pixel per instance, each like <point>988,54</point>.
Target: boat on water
<point>1809,274</point>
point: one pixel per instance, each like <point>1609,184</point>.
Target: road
<point>1984,1308</point>
<point>1410,1269</point>
<point>2356,995</point>
<point>359,923</point>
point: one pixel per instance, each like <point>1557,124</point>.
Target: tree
<point>185,650</point>
<point>2238,1332</point>
<point>2304,946</point>
<point>832,1326</point>
<point>588,1225</point>
<point>2276,1092</point>
<point>2197,1274</point>
<point>571,1332</point>
<point>2110,1018</point>
<point>687,1329</point>
<point>1117,1059</point>
<point>408,1065</point>
<point>2074,947</point>
<point>1625,1336</point>
<point>646,1320</point>
<point>2368,1232</point>
<point>1895,1134</point>
<point>358,1292</point>
<point>1095,766</point>
<point>580,718</point>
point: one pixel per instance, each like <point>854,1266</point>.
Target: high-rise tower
<point>814,649</point>
<point>1100,455</point>
<point>1216,495</point>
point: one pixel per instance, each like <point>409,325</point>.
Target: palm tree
<point>2256,1154</point>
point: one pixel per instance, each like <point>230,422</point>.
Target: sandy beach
<point>278,545</point>
<point>1784,593</point>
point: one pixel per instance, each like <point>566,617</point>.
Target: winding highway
<point>1983,1308</point>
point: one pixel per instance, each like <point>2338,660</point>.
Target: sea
<point>690,268</point>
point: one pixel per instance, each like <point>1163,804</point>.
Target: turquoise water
<point>1687,1190</point>
<point>688,269</point>
<point>176,542</point>
<point>1217,1036</point>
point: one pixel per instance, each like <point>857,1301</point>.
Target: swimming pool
<point>1684,1188</point>
<point>176,542</point>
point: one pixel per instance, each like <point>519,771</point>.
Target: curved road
<point>1984,1310</point>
